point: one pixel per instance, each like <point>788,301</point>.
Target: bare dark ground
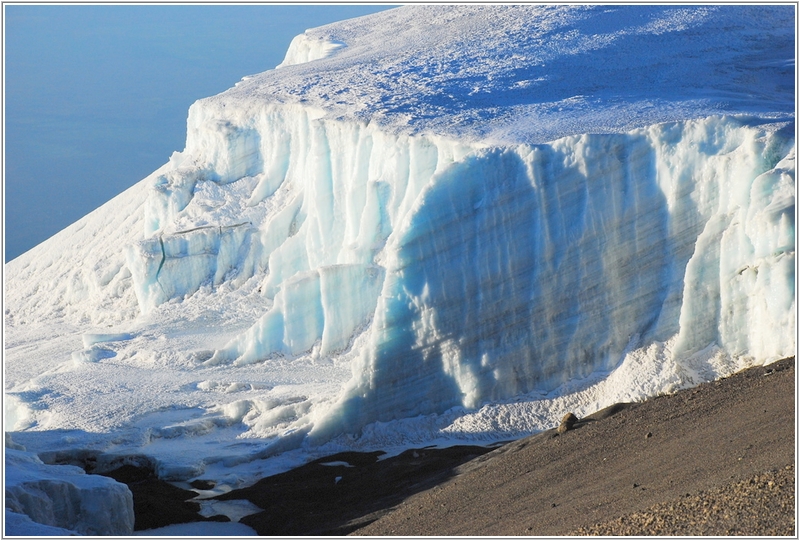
<point>157,503</point>
<point>714,460</point>
<point>315,499</point>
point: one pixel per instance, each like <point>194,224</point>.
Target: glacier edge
<point>510,269</point>
<point>496,215</point>
<point>612,242</point>
<point>452,274</point>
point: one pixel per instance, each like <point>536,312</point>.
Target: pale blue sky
<point>96,97</point>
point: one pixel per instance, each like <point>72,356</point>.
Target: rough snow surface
<point>431,225</point>
<point>19,524</point>
<point>511,74</point>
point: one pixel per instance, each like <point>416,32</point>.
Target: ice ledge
<point>59,500</point>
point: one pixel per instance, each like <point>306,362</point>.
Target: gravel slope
<point>762,505</point>
<point>714,460</point>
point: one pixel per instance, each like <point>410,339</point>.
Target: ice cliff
<point>455,205</point>
<point>64,499</point>
<point>492,271</point>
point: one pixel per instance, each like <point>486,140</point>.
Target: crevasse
<point>478,272</point>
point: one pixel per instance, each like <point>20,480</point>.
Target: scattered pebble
<point>764,503</point>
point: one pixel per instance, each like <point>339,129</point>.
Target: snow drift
<point>530,208</point>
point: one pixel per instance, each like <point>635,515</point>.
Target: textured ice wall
<point>64,497</point>
<point>520,269</point>
<point>490,272</point>
<point>471,273</point>
<point>314,197</point>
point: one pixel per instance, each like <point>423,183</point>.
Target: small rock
<point>648,435</point>
<point>567,423</point>
<point>202,484</point>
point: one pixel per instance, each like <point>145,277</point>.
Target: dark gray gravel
<point>698,462</point>
<point>762,505</point>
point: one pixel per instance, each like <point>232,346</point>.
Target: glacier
<point>434,224</point>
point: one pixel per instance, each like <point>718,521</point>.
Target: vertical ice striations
<point>315,202</point>
<point>522,268</point>
<point>486,272</point>
<point>738,289</point>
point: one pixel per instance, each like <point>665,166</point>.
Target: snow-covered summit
<point>531,74</point>
<point>436,223</point>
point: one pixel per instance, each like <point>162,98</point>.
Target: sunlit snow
<point>434,224</point>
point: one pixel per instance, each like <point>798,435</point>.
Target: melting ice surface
<point>431,225</point>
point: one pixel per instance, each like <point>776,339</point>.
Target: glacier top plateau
<point>532,74</point>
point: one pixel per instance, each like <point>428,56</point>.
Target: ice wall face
<point>479,273</point>
<point>486,272</point>
<point>739,283</point>
<point>64,497</point>
<point>516,272</point>
<point>521,269</point>
<point>312,196</point>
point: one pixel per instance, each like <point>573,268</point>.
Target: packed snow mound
<point>305,48</point>
<point>455,227</point>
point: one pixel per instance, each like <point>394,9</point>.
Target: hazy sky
<point>96,97</point>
